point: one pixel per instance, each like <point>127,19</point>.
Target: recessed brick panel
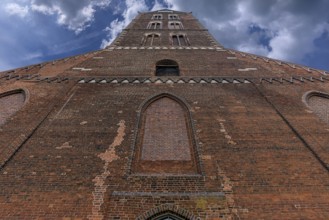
<point>320,106</point>
<point>165,134</point>
<point>9,105</point>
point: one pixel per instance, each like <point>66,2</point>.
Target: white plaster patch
<point>247,69</point>
<point>228,190</point>
<point>66,145</point>
<point>81,69</point>
<point>224,131</point>
<point>99,181</point>
<point>83,122</point>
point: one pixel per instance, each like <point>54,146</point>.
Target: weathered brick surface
<point>73,150</point>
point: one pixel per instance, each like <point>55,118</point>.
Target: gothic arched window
<point>167,68</point>
<point>10,103</point>
<point>165,137</point>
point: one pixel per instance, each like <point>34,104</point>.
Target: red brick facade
<point>100,136</point>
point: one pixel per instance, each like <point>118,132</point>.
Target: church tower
<point>165,123</point>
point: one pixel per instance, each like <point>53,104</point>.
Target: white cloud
<point>16,9</point>
<point>116,26</point>
<point>292,26</point>
<point>33,55</point>
<point>157,6</point>
<point>75,15</point>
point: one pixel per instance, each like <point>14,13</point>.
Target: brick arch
<point>168,210</point>
<point>11,102</point>
<point>164,140</point>
<point>318,102</point>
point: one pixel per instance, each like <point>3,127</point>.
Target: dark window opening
<point>182,41</point>
<point>167,68</point>
<point>175,40</point>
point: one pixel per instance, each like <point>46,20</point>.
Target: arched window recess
<point>167,67</point>
<point>11,102</point>
<point>165,138</point>
<point>318,102</point>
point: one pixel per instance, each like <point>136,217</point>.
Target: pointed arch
<point>167,211</point>
<point>318,102</point>
<point>10,103</point>
<point>165,138</point>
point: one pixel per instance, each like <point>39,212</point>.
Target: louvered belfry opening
<point>167,68</point>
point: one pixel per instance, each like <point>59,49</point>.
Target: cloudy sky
<point>33,31</point>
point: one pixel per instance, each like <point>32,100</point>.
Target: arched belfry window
<point>151,39</point>
<point>165,140</point>
<point>318,102</point>
<point>154,25</point>
<point>157,17</point>
<point>175,25</point>
<point>167,68</point>
<point>10,103</point>
<point>179,40</point>
<point>173,17</point>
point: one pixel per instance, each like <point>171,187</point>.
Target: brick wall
<point>257,151</point>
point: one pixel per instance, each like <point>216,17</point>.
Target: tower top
<point>165,28</point>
